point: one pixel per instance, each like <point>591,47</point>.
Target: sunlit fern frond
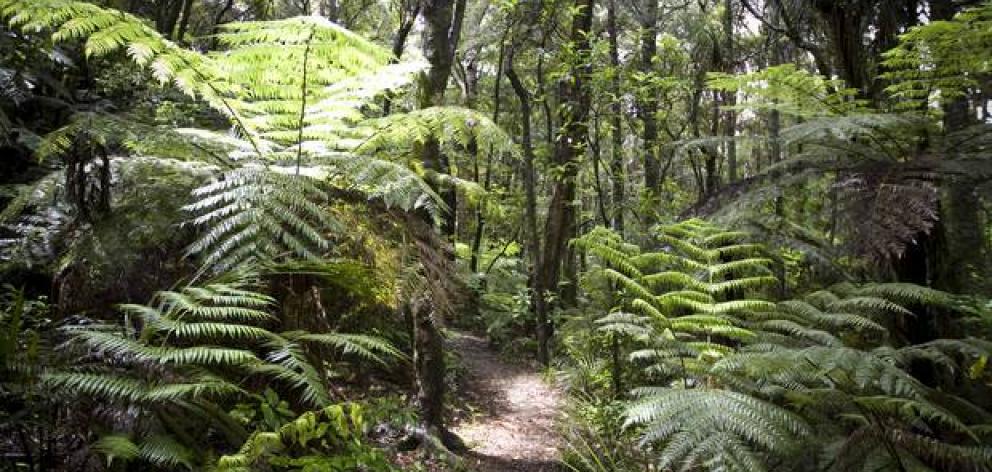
<point>939,60</point>
<point>861,370</point>
<point>809,314</point>
<point>609,247</point>
<point>287,363</point>
<point>625,324</point>
<point>365,347</point>
<point>791,91</point>
<point>455,129</point>
<point>254,214</point>
<point>715,429</point>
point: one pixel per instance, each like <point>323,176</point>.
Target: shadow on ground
<point>477,461</point>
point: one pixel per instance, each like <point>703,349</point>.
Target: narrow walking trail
<point>513,429</point>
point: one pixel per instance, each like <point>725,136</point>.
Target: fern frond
<point>685,421</point>
<point>624,324</point>
<point>363,346</point>
<point>274,214</point>
<point>165,451</point>
<point>116,446</point>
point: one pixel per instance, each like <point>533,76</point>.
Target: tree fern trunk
<point>442,26</point>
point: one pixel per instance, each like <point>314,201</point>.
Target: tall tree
<point>617,169</point>
<point>730,97</point>
<point>442,29</point>
<point>530,184</point>
<point>573,109</point>
<point>647,106</point>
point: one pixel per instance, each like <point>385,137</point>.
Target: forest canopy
<point>460,235</point>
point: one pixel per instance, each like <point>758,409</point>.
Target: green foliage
<point>291,128</point>
<point>456,129</point>
<point>939,61</point>
<point>687,298</point>
<point>330,439</point>
<point>887,415</point>
<point>193,350</point>
<point>715,429</point>
<point>253,215</point>
<point>829,381</point>
<point>595,439</point>
<point>791,91</point>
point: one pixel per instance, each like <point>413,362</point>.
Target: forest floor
<point>513,410</point>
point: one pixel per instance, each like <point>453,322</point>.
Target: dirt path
<point>513,431</point>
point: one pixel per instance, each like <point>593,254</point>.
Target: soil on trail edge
<point>514,431</point>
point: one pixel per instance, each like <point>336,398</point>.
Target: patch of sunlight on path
<point>514,431</point>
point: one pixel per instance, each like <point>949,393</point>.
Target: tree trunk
<point>184,22</point>
<point>961,251</point>
<point>530,184</point>
<point>442,24</point>
<point>617,171</point>
<point>616,138</point>
<point>168,16</point>
<point>573,106</point>
<point>730,98</point>
<point>953,255</point>
<point>428,358</point>
<point>647,107</point>
<point>399,44</point>
<point>480,220</point>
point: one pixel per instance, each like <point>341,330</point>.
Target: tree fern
<point>939,60</point>
<point>876,398</point>
<point>834,359</point>
<point>194,350</point>
<point>254,214</point>
<point>287,121</point>
<point>687,295</point>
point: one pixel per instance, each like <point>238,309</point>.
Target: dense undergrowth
<point>694,347</point>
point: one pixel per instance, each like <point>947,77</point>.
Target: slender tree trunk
<point>617,169</point>
<point>170,17</point>
<point>530,184</point>
<point>480,220</point>
<point>647,107</point>
<point>219,20</point>
<point>573,106</point>
<point>184,21</point>
<point>597,181</point>
<point>775,131</point>
<point>549,134</point>
<point>399,44</point>
<point>730,97</point>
